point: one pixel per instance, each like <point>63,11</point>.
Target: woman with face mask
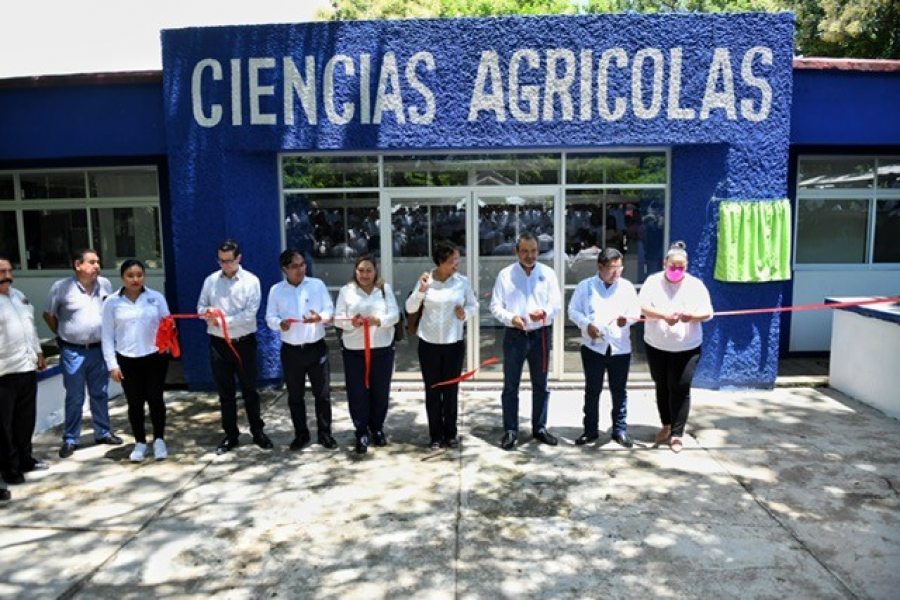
<point>675,304</point>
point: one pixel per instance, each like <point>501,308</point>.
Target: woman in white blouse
<point>366,307</point>
<point>131,318</point>
<point>446,300</point>
<point>675,303</point>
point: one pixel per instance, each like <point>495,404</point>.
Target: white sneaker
<point>160,452</point>
<point>139,452</point>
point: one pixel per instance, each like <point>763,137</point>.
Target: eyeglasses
<point>618,269</point>
<point>227,261</point>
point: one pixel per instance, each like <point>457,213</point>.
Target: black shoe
<point>586,438</point>
<point>38,465</point>
<point>435,446</point>
<point>13,477</point>
<point>378,439</point>
<point>263,441</point>
<point>509,440</point>
<point>327,441</point>
<point>623,439</point>
<point>362,444</point>
<point>545,437</point>
<point>298,443</point>
<point>110,440</point>
<point>5,496</point>
<point>452,443</point>
<point>67,450</point>
<point>226,445</point>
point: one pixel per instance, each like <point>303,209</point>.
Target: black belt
<point>302,346</point>
<point>234,340</point>
<point>88,346</point>
<point>528,332</point>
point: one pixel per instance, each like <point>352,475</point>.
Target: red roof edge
<point>123,77</point>
<point>847,64</point>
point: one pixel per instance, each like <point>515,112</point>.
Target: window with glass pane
<point>835,173</point>
<point>887,232</point>
<point>831,231</point>
<point>632,221</point>
<point>889,173</point>
<point>628,168</point>
<point>121,233</point>
<point>337,227</point>
<point>52,236</point>
<point>7,188</point>
<point>45,186</point>
<point>487,169</point>
<point>9,238</point>
<point>123,183</point>
<point>317,172</point>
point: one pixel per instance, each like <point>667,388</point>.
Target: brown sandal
<point>675,444</point>
<point>662,436</point>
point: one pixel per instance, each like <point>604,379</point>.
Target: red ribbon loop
<point>167,334</point>
<point>468,374</point>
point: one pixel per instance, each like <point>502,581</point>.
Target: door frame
<point>471,196</point>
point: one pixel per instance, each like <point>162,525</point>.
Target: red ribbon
<point>167,335</point>
<point>468,374</point>
<point>795,308</point>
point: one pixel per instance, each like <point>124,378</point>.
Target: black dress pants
<point>225,367</point>
<point>440,362</point>
<point>18,411</point>
<point>298,362</point>
<point>143,380</point>
<point>672,374</point>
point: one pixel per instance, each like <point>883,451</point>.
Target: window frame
<point>873,195</point>
<point>18,205</point>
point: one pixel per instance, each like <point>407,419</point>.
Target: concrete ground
<point>790,493</point>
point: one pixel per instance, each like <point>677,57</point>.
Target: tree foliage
<point>836,28</point>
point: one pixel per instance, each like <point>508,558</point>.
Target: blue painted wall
<point>845,108</point>
<point>76,121</point>
<point>223,164</point>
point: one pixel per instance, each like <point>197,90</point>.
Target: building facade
<point>383,137</point>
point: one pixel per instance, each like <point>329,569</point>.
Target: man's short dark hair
<point>78,255</point>
<point>525,236</point>
<point>608,255</point>
<point>230,245</point>
<point>287,257</point>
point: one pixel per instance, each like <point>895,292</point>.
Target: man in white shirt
<point>526,299</point>
<point>604,307</point>
<point>74,314</point>
<point>235,293</point>
<point>20,360</point>
<point>299,307</point>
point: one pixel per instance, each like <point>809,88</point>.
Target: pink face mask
<point>674,274</point>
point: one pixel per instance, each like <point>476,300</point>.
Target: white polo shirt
<point>129,328</point>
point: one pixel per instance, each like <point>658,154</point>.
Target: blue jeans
<point>519,346</point>
<point>80,367</point>
<point>595,365</point>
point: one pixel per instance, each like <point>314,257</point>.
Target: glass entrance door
<point>417,222</point>
<point>502,217</point>
<point>485,226</point>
